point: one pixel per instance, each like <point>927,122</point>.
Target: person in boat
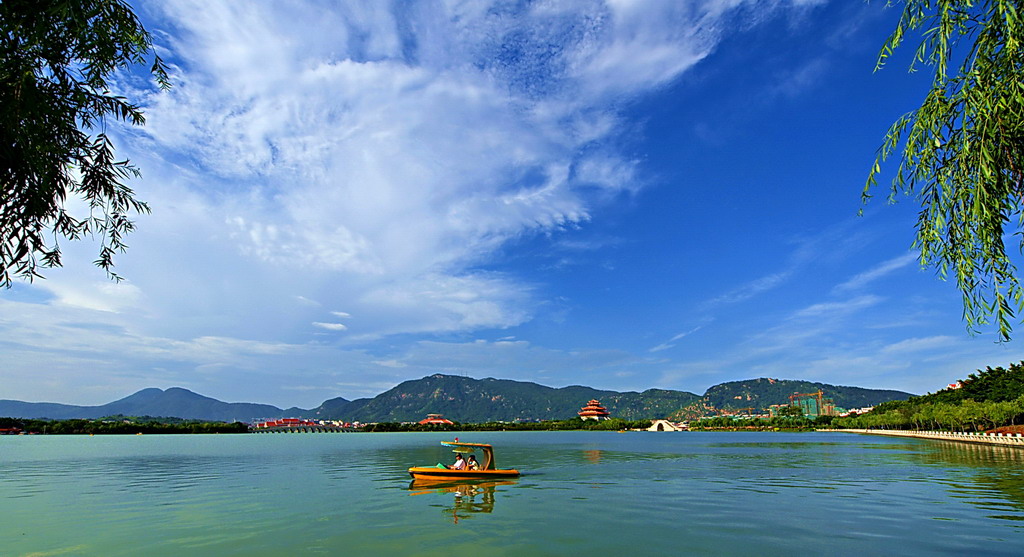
<point>460,463</point>
<point>472,463</point>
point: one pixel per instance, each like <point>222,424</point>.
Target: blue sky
<point>624,195</point>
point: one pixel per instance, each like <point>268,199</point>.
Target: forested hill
<point>996,384</point>
<point>988,399</point>
<point>761,393</point>
<point>465,399</point>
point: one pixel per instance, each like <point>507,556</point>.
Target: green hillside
<point>464,399</point>
<point>761,393</point>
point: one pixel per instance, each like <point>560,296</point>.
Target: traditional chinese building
<point>593,411</point>
<point>435,419</point>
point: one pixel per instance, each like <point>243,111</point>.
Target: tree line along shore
<point>117,425</point>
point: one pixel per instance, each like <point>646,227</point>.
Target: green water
<point>582,493</point>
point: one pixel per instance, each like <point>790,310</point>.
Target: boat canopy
<point>460,447</point>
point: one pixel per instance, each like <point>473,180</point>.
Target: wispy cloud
<point>671,343</point>
<point>863,279</point>
<point>330,326</point>
<point>383,158</point>
<point>833,309</point>
<point>752,289</point>
<point>388,160</point>
<point>911,345</point>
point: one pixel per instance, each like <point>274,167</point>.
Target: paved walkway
<point>1011,439</point>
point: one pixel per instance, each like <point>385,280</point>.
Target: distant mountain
<point>172,403</point>
<point>465,399</point>
<point>336,407</point>
<point>759,394</point>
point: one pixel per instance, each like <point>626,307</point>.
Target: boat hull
<point>433,473</point>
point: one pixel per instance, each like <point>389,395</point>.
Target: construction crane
<point>817,395</point>
<point>825,406</point>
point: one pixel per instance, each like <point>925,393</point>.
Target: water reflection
<point>991,477</point>
<point>468,498</point>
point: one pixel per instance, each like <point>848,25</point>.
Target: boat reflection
<point>468,497</point>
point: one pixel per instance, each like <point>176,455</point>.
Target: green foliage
<point>122,425</point>
<point>988,399</point>
<point>55,61</point>
<point>730,423</point>
<point>794,411</point>
<point>962,150</point>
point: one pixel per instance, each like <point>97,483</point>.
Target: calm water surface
<point>582,493</point>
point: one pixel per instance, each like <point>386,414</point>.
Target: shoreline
<point>1002,439</point>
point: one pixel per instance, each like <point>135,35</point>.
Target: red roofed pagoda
<point>593,411</point>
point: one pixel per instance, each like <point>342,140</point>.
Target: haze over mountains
<point>461,399</point>
<point>172,403</point>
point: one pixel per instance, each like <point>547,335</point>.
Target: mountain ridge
<point>174,402</point>
<point>461,399</point>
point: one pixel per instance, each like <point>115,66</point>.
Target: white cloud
<point>390,363</point>
<point>347,155</point>
<point>99,295</point>
<point>330,326</point>
<point>752,289</point>
<point>911,345</point>
<point>831,309</point>
<point>670,343</point>
<point>387,160</point>
<point>863,279</point>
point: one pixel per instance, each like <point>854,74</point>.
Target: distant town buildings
<point>594,411</point>
<point>285,422</point>
<point>811,405</point>
<point>299,425</point>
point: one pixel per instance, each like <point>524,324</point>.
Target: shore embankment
<point>1005,439</point>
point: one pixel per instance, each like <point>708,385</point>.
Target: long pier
<point>1004,439</point>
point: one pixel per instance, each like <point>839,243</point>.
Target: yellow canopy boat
<point>442,473</point>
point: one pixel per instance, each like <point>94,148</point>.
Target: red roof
<point>435,419</point>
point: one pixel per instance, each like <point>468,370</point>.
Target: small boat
<point>440,473</point>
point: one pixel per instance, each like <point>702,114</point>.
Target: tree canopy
<point>56,57</point>
<point>987,399</point>
<point>962,150</point>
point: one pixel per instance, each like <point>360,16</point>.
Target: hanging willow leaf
<point>962,150</point>
<point>55,58</point>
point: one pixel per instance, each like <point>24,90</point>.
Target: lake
<point>581,493</point>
